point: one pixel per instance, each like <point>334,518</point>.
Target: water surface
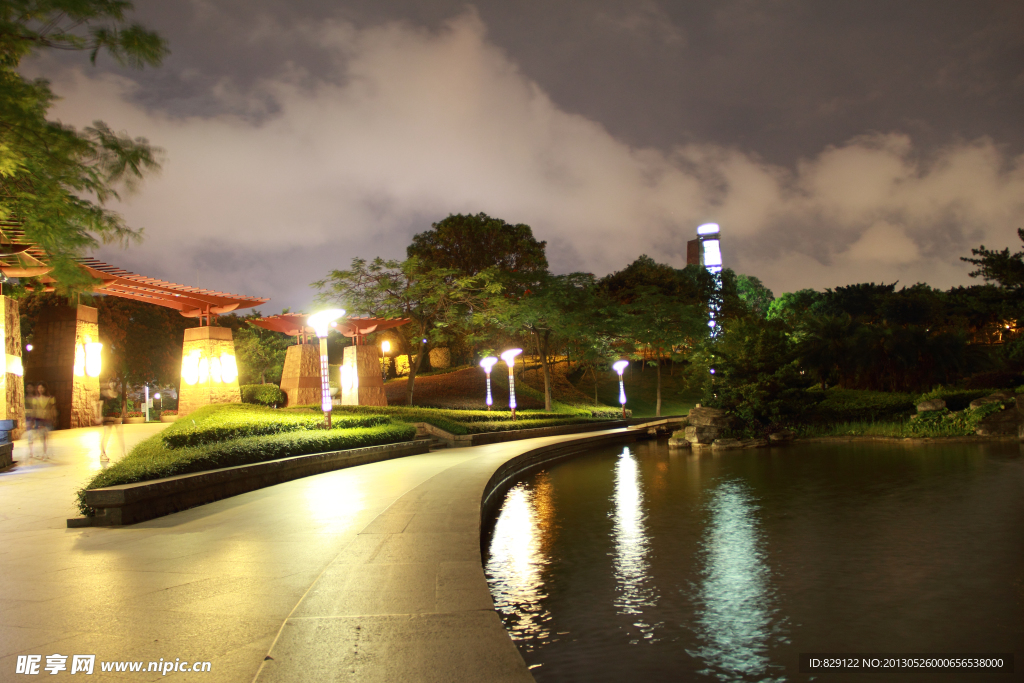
<point>658,565</point>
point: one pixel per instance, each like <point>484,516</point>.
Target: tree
<point>260,352</point>
<point>1001,266</point>
<point>657,315</point>
<point>471,244</point>
<point>560,305</point>
<point>54,180</point>
<point>439,301</point>
<point>753,292</point>
<point>141,342</point>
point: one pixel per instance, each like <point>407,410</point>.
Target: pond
<point>645,563</point>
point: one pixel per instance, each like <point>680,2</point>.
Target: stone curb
<point>132,503</point>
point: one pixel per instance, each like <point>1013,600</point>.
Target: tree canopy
<point>1000,266</point>
<point>56,181</point>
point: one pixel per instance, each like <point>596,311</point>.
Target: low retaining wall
<point>133,503</point>
<point>466,440</point>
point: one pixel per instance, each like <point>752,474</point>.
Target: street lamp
<point>487,364</point>
<point>321,323</point>
<point>510,360</point>
<point>385,348</point>
<point>619,366</point>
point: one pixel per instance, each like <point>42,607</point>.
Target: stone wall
<point>300,379</point>
<point>211,342</point>
<point>361,381</point>
<point>13,407</point>
<point>59,331</point>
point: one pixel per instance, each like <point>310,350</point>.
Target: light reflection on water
<point>517,560</point>
<point>630,566</point>
<point>734,599</point>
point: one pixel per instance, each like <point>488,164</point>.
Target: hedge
<point>263,394</point>
<point>851,405</point>
<point>234,421</point>
<point>509,425</point>
<point>151,459</point>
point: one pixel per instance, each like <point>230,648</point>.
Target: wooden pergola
<point>294,325</point>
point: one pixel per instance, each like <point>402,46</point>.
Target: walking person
<point>46,415</point>
<point>31,418</point>
<point>110,424</point>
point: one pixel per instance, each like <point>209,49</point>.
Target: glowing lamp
<point>28,347</point>
<point>204,369</point>
<point>510,360</point>
<point>620,366</point>
<point>79,368</point>
<point>190,368</point>
<point>488,363</point>
<point>385,347</point>
<point>14,365</point>
<point>321,322</point>
<point>228,368</point>
<point>93,358</point>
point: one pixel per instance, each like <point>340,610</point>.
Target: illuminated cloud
<point>304,173</point>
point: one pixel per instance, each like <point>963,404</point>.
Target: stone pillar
<point>12,408</point>
<point>361,381</point>
<point>203,380</point>
<point>300,379</point>
<point>58,361</point>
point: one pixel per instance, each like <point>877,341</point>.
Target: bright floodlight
<point>708,229</point>
<point>510,360</point>
<point>321,322</point>
<point>385,346</point>
<point>619,366</point>
<point>488,363</point>
<point>510,357</point>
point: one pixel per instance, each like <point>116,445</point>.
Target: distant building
<point>706,251</point>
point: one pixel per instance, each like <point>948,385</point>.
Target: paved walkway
<point>364,574</point>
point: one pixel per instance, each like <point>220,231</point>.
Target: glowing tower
<point>706,251</point>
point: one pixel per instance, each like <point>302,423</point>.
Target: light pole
<point>385,348</point>
<point>487,364</point>
<point>619,366</point>
<point>321,323</point>
<point>510,360</point>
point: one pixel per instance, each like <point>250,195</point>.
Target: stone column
<point>202,378</point>
<point>58,361</point>
<point>300,379</point>
<point>361,382</point>
<point>12,408</point>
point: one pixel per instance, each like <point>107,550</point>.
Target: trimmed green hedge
<point>850,405</point>
<point>477,421</point>
<point>151,459</point>
<point>235,421</point>
<point>509,425</point>
<point>263,394</point>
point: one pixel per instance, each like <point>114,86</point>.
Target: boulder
<point>701,434</point>
<point>709,417</point>
<point>782,436</point>
<point>933,404</point>
<point>678,440</point>
<point>1006,422</point>
<point>999,396</point>
<point>727,443</point>
<point>755,443</point>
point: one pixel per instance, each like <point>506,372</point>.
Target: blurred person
<point>45,414</point>
<point>31,417</point>
<point>110,423</point>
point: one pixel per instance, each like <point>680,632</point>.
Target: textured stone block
<point>59,334</point>
<point>211,342</point>
<point>300,379</point>
<point>361,381</point>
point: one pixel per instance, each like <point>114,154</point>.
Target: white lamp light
<point>488,363</point>
<point>93,358</point>
<point>510,360</point>
<point>228,368</point>
<point>620,366</point>
<point>321,322</point>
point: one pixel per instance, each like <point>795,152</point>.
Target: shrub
<point>509,425</point>
<point>851,405</point>
<point>235,421</point>
<point>263,394</point>
<point>151,459</point>
<point>168,412</point>
<point>134,413</point>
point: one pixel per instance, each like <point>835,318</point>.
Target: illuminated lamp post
<point>619,366</point>
<point>321,323</point>
<point>487,364</point>
<point>385,348</point>
<point>510,360</point>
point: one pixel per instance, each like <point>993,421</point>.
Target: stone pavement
<point>371,573</point>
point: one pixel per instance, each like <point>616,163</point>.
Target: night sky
<point>834,142</point>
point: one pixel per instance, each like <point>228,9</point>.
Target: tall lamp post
<point>487,364</point>
<point>619,366</point>
<point>321,324</point>
<point>385,349</point>
<point>510,360</point>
